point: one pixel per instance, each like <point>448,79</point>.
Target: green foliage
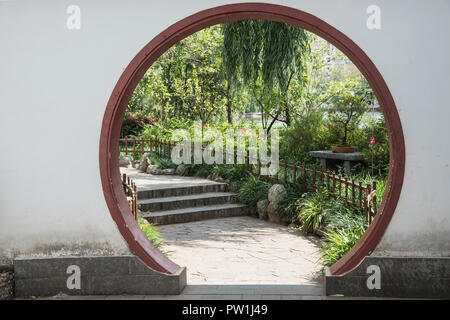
<point>232,173</point>
<point>263,49</point>
<point>265,58</point>
<point>151,232</point>
<point>162,163</point>
<point>318,211</point>
<point>254,189</point>
<point>186,82</point>
<point>377,155</point>
<point>348,103</point>
<point>311,210</point>
<point>339,242</point>
<point>381,181</point>
<point>305,134</point>
<point>288,203</point>
<point>204,171</point>
<point>342,217</point>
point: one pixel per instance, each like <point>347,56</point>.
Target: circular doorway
<point>115,110</point>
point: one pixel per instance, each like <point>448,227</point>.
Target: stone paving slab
<point>243,250</point>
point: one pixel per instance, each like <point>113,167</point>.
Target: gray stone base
<point>6,285</point>
<point>398,278</point>
<point>98,276</point>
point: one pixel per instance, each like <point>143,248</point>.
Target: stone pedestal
<point>326,156</point>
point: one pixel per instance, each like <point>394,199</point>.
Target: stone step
<point>169,190</point>
<point>197,213</point>
<point>187,201</point>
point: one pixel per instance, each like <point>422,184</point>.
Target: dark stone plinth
<point>329,158</point>
<point>327,154</point>
<point>399,278</point>
<point>113,275</point>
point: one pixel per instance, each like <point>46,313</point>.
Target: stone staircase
<point>167,204</point>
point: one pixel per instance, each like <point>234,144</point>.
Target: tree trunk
<point>288,116</point>
<point>229,104</point>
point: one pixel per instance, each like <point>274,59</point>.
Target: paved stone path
<point>238,250</point>
<point>243,250</point>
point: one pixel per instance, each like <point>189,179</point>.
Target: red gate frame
<point>115,110</point>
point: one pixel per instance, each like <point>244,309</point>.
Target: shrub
<point>254,189</point>
<point>288,203</point>
<point>162,163</point>
<point>338,243</point>
<point>233,173</point>
<point>151,232</point>
<point>344,219</point>
<point>310,210</point>
<point>204,170</point>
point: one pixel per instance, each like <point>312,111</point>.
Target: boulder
<point>125,161</point>
<point>145,162</point>
<point>261,209</point>
<point>276,193</point>
<point>274,215</point>
<point>181,170</point>
<point>153,169</point>
<point>168,171</point>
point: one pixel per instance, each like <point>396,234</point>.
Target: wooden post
<point>334,183</point>
<point>135,202</point>
<point>340,185</point>
<point>304,178</point>
<point>321,177</point>
<point>314,178</point>
<point>360,194</point>
<point>134,147</point>
<point>247,159</point>
<point>375,197</point>
<point>366,202</point>
<point>294,175</point>
<point>346,190</point>
<point>353,191</point>
<point>259,167</point>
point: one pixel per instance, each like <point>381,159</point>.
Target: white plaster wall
<point>55,84</point>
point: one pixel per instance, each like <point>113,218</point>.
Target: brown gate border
<point>115,110</point>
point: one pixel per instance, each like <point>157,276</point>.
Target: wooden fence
<point>132,196</point>
<point>356,194</point>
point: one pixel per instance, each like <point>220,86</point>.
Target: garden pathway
<point>243,250</point>
<point>233,248</point>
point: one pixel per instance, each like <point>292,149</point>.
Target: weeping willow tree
<point>265,57</point>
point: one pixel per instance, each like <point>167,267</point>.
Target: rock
<point>276,216</point>
<point>153,169</point>
<point>145,162</point>
<point>125,161</point>
<point>273,214</point>
<point>181,170</point>
<point>213,177</point>
<point>6,285</point>
<point>276,193</point>
<point>168,171</point>
<point>261,208</point>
